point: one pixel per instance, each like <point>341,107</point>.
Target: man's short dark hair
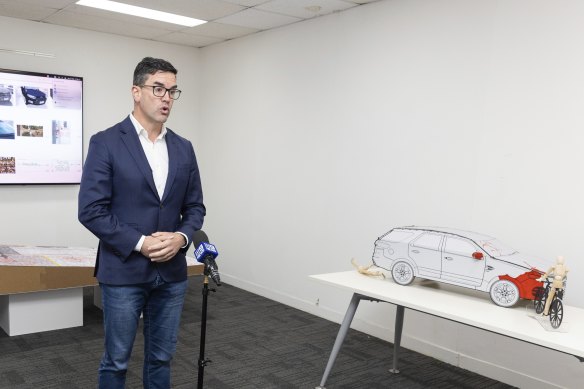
<point>149,66</point>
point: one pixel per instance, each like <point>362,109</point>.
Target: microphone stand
<point>202,361</point>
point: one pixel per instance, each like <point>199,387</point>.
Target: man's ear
<point>136,93</point>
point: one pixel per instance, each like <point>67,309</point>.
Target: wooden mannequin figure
<point>559,272</point>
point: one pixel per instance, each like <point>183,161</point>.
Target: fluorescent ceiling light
<point>141,12</point>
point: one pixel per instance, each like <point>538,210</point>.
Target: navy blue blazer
<point>118,203</point>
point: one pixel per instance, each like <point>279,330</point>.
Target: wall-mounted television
<point>41,128</point>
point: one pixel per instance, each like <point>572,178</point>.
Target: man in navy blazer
<point>141,196</point>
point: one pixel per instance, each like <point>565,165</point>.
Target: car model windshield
<point>496,248</point>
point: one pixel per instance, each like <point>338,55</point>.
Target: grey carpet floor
<point>253,342</point>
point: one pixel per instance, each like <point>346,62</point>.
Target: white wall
<point>47,215</point>
<point>325,134</point>
<point>318,137</point>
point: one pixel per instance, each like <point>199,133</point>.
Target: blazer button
<point>161,206</point>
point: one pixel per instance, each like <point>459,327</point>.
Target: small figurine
<point>549,299</point>
<point>366,270</point>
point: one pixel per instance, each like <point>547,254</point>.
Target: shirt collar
<point>138,127</point>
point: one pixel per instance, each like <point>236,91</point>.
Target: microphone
<point>206,253</point>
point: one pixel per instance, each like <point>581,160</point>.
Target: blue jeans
<point>161,304</point>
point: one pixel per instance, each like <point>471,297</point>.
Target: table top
<point>40,268</point>
<point>469,307</point>
<point>17,255</point>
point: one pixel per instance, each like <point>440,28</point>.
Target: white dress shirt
<point>156,153</point>
<point>157,156</point>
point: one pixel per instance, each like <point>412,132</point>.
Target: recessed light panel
<point>142,12</point>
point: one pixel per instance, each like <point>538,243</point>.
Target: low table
<point>41,287</point>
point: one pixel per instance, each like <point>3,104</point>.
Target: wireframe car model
<point>33,95</point>
<point>457,257</point>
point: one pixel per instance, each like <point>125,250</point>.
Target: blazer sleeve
<point>94,201</point>
<point>193,210</point>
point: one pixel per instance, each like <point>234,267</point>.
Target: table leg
<point>340,337</point>
<point>399,325</point>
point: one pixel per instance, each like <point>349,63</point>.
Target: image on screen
<point>41,128</point>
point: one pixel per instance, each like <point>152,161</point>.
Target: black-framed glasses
<point>160,91</point>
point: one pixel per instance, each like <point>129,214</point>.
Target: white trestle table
<point>461,305</point>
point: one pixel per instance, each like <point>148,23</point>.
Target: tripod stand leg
<point>202,360</point>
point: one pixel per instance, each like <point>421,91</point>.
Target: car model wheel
<point>504,293</point>
<point>402,273</point>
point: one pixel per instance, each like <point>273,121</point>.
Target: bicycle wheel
<point>539,301</point>
<point>556,312</point>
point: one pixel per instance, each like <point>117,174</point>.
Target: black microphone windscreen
<point>200,237</point>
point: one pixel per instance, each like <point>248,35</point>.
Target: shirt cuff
<point>186,239</point>
<point>139,244</point>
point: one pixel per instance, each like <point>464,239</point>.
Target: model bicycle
<point>555,307</point>
<point>548,299</point>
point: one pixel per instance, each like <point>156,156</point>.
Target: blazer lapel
<point>130,139</point>
<point>173,152</point>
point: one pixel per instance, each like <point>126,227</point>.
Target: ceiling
<point>227,19</point>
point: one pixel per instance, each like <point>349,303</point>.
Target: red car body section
<point>527,283</point>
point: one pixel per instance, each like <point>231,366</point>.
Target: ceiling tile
<point>301,8</point>
<point>247,3</point>
<point>57,4</point>
<point>188,39</point>
<point>112,26</point>
<point>25,11</point>
<point>261,20</point>
<point>219,30</point>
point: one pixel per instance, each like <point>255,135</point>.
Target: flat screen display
<point>41,128</point>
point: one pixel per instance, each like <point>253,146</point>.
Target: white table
<point>461,305</point>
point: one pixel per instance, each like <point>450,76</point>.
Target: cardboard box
<point>22,279</point>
